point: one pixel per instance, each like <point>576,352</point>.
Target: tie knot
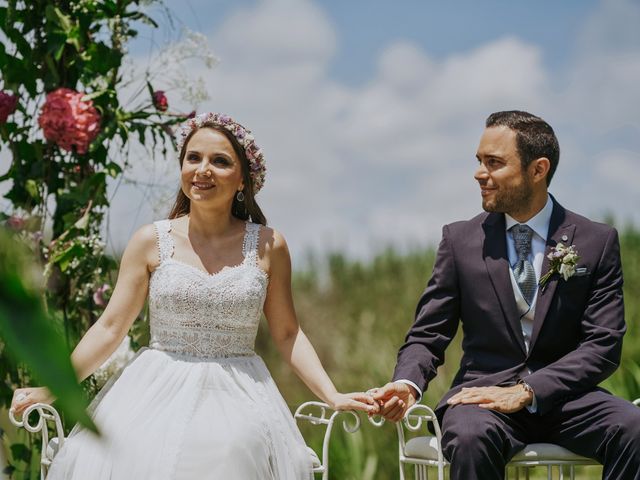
<point>522,238</point>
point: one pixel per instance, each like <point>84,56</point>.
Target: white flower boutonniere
<point>563,261</point>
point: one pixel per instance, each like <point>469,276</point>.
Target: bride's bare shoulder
<point>143,246</point>
<point>272,250</point>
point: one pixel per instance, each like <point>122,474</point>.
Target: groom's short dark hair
<point>534,137</point>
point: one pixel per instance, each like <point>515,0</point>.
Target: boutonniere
<point>563,261</point>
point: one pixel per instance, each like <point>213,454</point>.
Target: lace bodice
<point>206,315</point>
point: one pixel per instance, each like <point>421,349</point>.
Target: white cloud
<point>391,161</point>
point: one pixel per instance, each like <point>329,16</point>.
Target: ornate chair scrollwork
<point>40,417</point>
<point>320,414</point>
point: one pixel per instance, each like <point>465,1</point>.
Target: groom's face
<point>504,186</point>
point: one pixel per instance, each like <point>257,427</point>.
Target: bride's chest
<point>183,288</point>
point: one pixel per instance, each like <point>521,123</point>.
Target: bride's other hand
<point>354,401</point>
<point>25,397</point>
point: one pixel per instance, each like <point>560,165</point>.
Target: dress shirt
<point>540,226</point>
<point>539,223</point>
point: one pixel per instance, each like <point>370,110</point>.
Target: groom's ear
<point>539,169</point>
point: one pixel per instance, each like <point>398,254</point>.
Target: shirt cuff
<point>533,408</point>
<point>409,382</point>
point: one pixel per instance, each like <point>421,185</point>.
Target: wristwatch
<point>526,386</point>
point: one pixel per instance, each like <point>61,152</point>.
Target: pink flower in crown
<point>240,133</point>
<point>69,121</point>
<point>8,105</point>
<point>252,151</point>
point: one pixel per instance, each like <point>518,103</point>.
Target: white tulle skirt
<point>172,417</point>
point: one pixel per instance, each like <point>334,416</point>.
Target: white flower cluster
<point>116,362</point>
<point>173,64</point>
<point>567,258</point>
<point>563,261</point>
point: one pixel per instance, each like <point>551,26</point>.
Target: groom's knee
<point>472,432</point>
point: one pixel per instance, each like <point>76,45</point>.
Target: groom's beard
<point>511,200</point>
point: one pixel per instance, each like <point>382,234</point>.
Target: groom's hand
<point>395,399</point>
<point>500,399</point>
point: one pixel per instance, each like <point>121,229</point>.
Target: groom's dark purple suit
<point>575,344</point>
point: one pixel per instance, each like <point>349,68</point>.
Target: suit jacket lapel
<point>497,263</point>
<point>559,232</point>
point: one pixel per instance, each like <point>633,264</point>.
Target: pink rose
<point>69,121</point>
<point>160,101</point>
<point>8,105</point>
<point>99,295</point>
<point>16,223</point>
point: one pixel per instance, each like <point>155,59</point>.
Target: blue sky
<point>369,112</point>
<point>365,27</point>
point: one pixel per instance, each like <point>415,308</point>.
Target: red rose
<point>160,101</point>
<point>8,105</point>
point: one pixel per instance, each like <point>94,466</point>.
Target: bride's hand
<point>24,397</point>
<point>353,401</point>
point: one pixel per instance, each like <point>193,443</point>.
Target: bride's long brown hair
<point>245,210</point>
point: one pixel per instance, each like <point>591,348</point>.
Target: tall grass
<point>356,315</point>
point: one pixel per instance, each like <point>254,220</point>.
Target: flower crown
<point>257,167</point>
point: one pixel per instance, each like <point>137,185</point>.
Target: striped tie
<point>523,269</point>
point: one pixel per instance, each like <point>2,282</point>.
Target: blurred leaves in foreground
<point>28,334</point>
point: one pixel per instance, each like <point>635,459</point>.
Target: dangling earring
<point>240,196</point>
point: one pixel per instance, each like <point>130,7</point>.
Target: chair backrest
<point>46,414</point>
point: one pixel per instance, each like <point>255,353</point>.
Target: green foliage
<point>28,333</point>
<point>357,314</point>
<point>58,198</point>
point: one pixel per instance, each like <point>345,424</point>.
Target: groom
<point>533,354</point>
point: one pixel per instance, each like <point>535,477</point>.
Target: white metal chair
<point>318,413</point>
<point>41,418</point>
<point>46,415</point>
<point>426,451</point>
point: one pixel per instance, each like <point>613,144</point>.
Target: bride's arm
<point>128,298</point>
<point>293,344</point>
<point>102,339</point>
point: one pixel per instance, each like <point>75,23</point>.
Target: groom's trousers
<point>478,443</point>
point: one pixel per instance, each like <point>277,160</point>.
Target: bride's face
<point>211,171</point>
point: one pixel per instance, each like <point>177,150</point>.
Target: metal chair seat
<point>426,448</point>
<point>549,453</point>
<point>315,460</point>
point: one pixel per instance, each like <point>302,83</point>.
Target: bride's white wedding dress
<point>199,403</point>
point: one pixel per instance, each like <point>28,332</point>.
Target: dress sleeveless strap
<point>250,244</point>
<point>164,240</point>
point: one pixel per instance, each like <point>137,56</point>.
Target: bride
<point>199,403</point>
